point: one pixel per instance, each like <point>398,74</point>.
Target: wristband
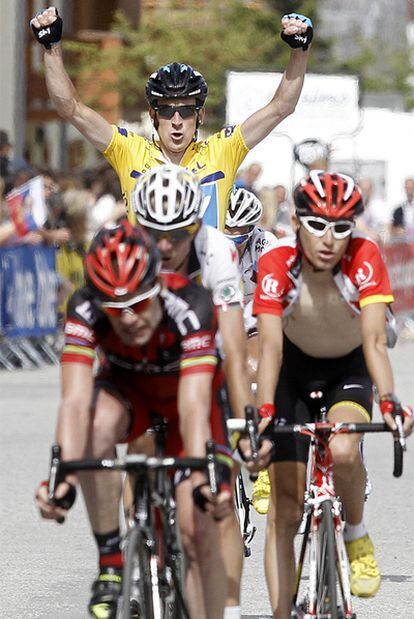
<point>267,411</point>
<point>389,403</point>
<point>302,39</point>
<point>51,34</point>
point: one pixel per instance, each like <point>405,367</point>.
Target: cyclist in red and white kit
<point>156,338</point>
<point>323,305</point>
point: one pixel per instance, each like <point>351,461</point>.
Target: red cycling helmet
<point>121,260</point>
<point>332,196</point>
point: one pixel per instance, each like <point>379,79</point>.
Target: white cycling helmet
<point>167,198</point>
<point>245,209</point>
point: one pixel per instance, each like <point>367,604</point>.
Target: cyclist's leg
<point>231,542</point>
<point>350,400</point>
<point>287,480</point>
<point>232,551</point>
<point>349,470</point>
<point>354,404</point>
<point>206,575</point>
<point>283,519</point>
<point>102,490</point>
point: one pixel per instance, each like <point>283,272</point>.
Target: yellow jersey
<point>215,161</point>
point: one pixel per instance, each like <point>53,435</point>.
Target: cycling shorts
<point>341,380</point>
<point>147,397</point>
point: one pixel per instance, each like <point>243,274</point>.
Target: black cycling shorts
<point>342,379</point>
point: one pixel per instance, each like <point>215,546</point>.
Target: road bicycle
<point>153,573</point>
<point>326,594</point>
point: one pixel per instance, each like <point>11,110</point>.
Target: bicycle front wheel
<point>140,584</point>
<point>326,603</point>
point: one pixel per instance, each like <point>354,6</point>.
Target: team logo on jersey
<point>270,286</point>
<point>260,245</point>
<point>226,293</point>
<point>197,342</point>
<point>77,330</point>
<point>84,310</point>
<point>364,276</point>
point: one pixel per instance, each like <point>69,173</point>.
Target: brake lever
<point>212,467</point>
<point>54,472</point>
<point>400,430</point>
<point>55,476</point>
<point>251,428</point>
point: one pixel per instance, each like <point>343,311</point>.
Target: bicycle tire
<point>327,596</point>
<point>139,555</point>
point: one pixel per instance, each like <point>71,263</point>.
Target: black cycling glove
<point>302,39</point>
<point>51,34</point>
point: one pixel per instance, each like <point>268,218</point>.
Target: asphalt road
<point>47,568</point>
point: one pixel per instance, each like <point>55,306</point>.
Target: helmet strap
<point>195,138</point>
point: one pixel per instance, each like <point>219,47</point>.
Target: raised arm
<point>47,28</point>
<point>297,32</point>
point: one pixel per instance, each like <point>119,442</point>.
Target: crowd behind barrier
<point>40,268</point>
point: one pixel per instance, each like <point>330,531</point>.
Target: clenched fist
<point>47,27</point>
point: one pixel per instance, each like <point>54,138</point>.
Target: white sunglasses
<point>134,305</point>
<point>319,226</point>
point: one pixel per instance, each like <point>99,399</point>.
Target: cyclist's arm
<point>231,327</point>
<point>74,412</point>
<point>194,404</point>
<point>68,105</point>
<point>255,128</point>
<point>374,343</point>
<point>270,356</point>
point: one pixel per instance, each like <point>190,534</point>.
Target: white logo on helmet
<point>270,286</point>
<point>119,292</point>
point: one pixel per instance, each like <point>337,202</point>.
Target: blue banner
<point>28,291</point>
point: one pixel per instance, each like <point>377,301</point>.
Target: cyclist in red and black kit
<point>323,305</point>
<point>156,340</point>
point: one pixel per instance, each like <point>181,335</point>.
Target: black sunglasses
<point>185,111</point>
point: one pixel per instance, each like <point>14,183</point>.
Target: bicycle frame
<point>322,508</point>
<point>320,488</point>
<point>150,492</point>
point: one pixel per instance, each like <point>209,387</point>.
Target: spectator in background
<point>282,221</point>
<point>106,197</point>
<point>375,219</point>
<point>248,177</point>
<point>402,224</point>
<point>5,161</point>
<point>12,169</point>
<point>55,230</point>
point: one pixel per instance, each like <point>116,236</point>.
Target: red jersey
<point>184,342</point>
<point>361,277</point>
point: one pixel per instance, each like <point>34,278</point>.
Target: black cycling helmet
<point>176,80</point>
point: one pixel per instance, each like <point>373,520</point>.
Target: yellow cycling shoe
<point>261,493</point>
<point>365,574</point>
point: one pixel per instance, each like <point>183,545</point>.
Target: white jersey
<point>259,243</point>
<point>214,263</point>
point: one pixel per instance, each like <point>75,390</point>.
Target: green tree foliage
<point>214,36</point>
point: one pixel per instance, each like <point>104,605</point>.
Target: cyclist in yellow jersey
<point>176,94</point>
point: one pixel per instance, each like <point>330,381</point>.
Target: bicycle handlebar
<point>131,463</point>
<point>327,428</point>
